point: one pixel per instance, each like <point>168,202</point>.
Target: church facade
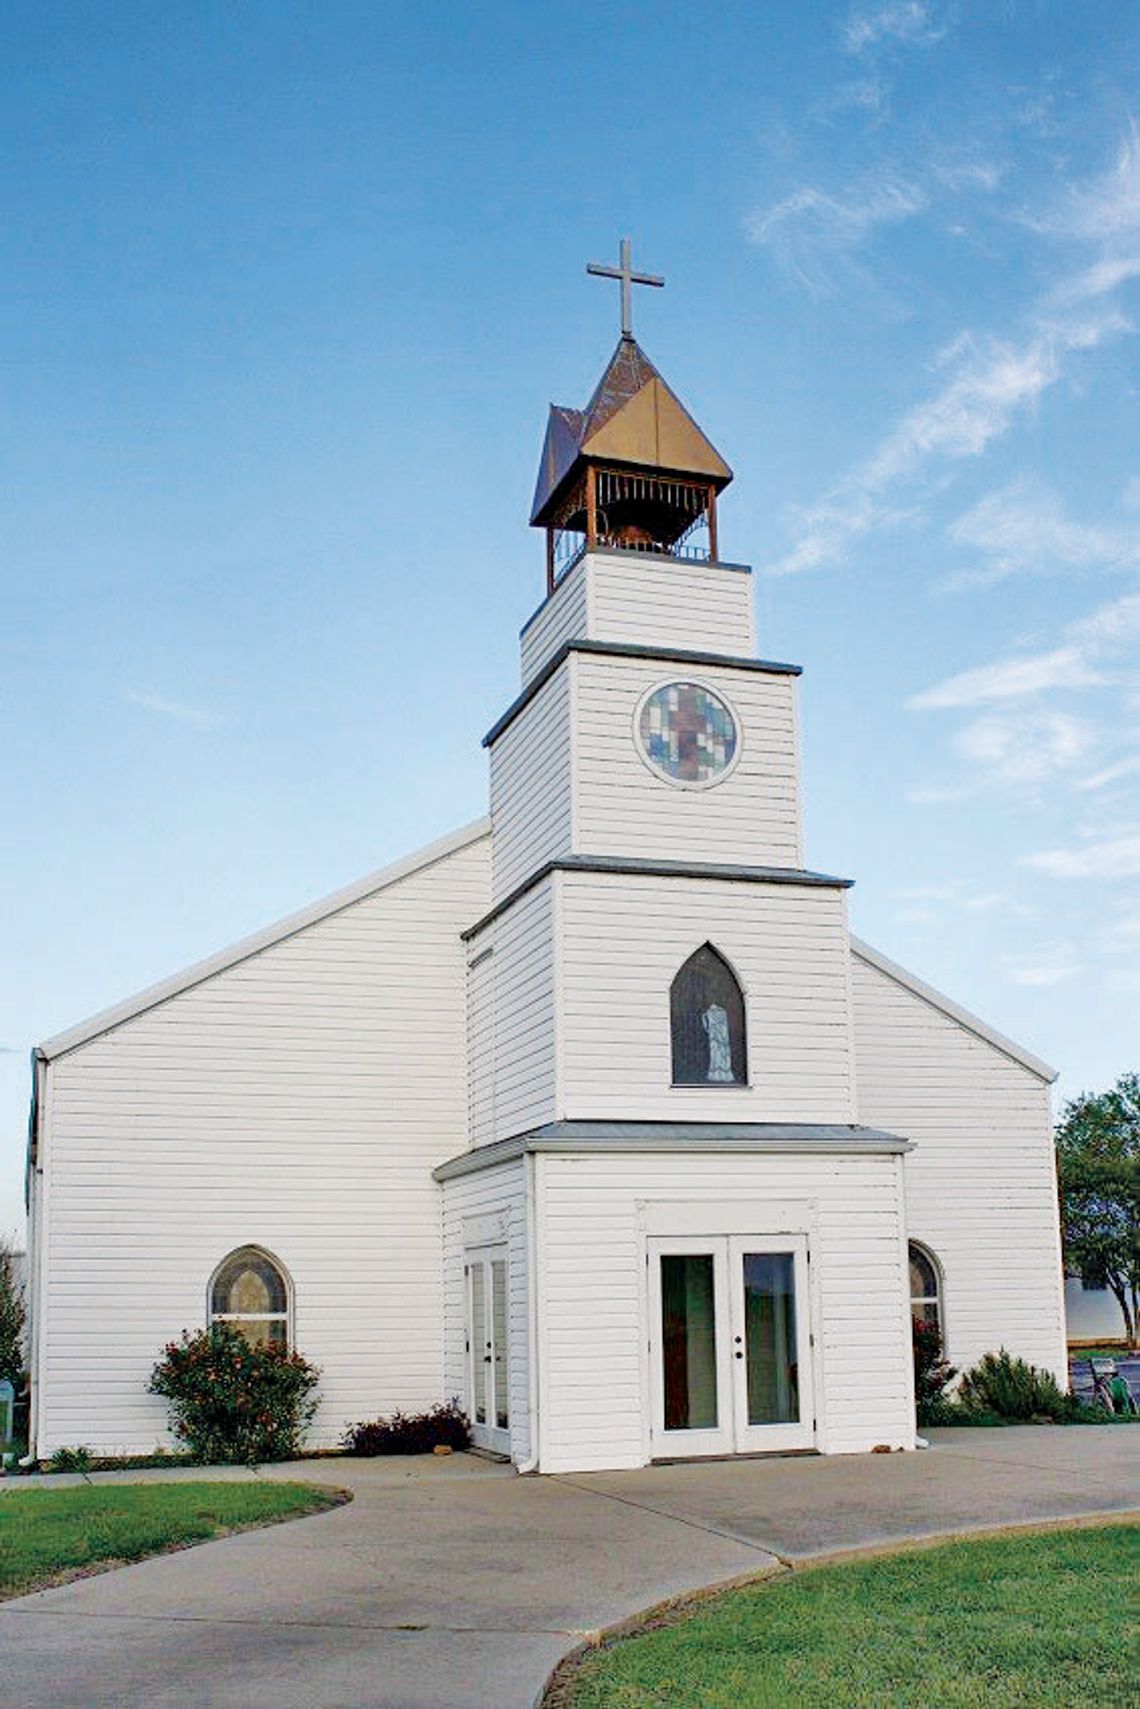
<point>593,1114</point>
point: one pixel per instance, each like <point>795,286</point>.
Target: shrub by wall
<point>411,1433</point>
<point>232,1403</point>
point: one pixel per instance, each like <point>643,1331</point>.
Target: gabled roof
<point>633,417</point>
<point>954,1010</point>
<point>153,995</point>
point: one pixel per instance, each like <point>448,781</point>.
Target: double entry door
<point>730,1344</point>
<point>488,1375</point>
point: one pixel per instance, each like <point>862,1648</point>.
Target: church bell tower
<point>632,470</point>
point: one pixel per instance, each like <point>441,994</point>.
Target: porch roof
<point>849,1138</point>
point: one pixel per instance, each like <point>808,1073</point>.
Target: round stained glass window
<point>687,733</point>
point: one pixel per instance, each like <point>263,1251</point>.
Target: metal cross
<point>628,279</point>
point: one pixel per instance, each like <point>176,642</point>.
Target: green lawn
<point>49,1534</point>
<point>1041,1621</point>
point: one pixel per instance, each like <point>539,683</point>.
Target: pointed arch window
<point>925,1286</point>
<point>249,1290</point>
<point>706,1008</point>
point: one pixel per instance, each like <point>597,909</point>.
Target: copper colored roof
<point>634,419</point>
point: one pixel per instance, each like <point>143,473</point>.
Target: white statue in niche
<point>715,1022</point>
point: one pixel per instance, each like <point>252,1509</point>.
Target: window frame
<point>716,694</point>
<point>938,1297</point>
<point>743,1084</point>
<point>251,1250</point>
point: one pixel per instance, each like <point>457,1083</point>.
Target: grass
<point>49,1535</point>
<point>1039,1621</point>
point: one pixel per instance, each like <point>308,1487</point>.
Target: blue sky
<point>285,290</point>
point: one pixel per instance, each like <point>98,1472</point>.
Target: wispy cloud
<point>992,382</point>
<point>1112,773</point>
<point>813,229</point>
<point>1024,747</point>
<point>1050,965</point>
<point>195,717</point>
<point>1090,644</point>
<point>910,23</point>
<point>1109,857</point>
<point>1023,528</point>
<point>937,794</point>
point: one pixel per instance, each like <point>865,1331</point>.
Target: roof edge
<point>161,992</point>
<point>829,1138</point>
<point>965,1017</point>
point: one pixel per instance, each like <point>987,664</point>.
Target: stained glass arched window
<point>925,1287</point>
<point>250,1292</point>
<point>706,1008</point>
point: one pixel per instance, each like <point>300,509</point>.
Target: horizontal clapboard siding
<point>595,1396</point>
<point>530,786</point>
<point>670,602</point>
<point>511,1021</point>
<point>297,1100</point>
<point>981,1192</point>
<point>560,619</point>
<point>470,1203</point>
<point>622,940</point>
<point>622,807</point>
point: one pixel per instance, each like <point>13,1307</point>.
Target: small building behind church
<point>593,1114</point>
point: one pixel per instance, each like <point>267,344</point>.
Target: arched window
<point>925,1286</point>
<point>250,1291</point>
<point>706,1008</point>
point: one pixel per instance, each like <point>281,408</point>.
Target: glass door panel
<point>488,1362</point>
<point>770,1352</point>
<point>688,1336</point>
<point>692,1408</point>
<point>771,1343</point>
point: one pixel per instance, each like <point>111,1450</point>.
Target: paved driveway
<point>454,1584</point>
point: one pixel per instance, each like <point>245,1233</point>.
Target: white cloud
<point>909,22</point>
<point>1025,747</point>
<point>1010,679</point>
<point>1023,527</point>
<point>197,717</point>
<point>812,229</point>
<point>992,383</point>
<point>936,795</point>
<point>1111,773</point>
<point>1112,857</point>
<point>1051,965</point>
<point>1090,643</point>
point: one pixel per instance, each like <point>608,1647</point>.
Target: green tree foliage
<point>1098,1163</point>
<point>13,1318</point>
<point>233,1403</point>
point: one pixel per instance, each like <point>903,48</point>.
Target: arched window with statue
<point>706,1006</point>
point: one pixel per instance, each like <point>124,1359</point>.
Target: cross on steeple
<point>628,279</point>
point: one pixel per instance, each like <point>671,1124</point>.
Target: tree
<point>13,1317</point>
<point>1098,1164</point>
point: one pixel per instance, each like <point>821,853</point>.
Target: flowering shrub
<point>232,1403</point>
<point>411,1433</point>
<point>932,1372</point>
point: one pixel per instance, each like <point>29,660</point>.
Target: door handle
<point>740,1355</point>
<point>486,1358</point>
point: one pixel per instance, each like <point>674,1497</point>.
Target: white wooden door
<point>771,1342</point>
<point>730,1344</point>
<point>488,1366</point>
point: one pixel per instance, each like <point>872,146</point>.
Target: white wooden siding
<point>476,1200</point>
<point>297,1100</point>
<point>560,619</point>
<point>981,1192</point>
<point>646,601</point>
<point>750,818</point>
<point>593,1328</point>
<point>530,785</point>
<point>623,938</point>
<point>670,602</point>
<point>511,1023</point>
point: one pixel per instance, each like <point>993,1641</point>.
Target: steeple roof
<point>634,419</point>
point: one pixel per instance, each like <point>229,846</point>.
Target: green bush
<point>71,1460</point>
<point>1013,1390</point>
<point>232,1403</point>
<point>932,1372</point>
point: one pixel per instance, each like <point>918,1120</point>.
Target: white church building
<point>593,1113</point>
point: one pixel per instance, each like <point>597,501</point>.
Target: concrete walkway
<point>455,1584</point>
